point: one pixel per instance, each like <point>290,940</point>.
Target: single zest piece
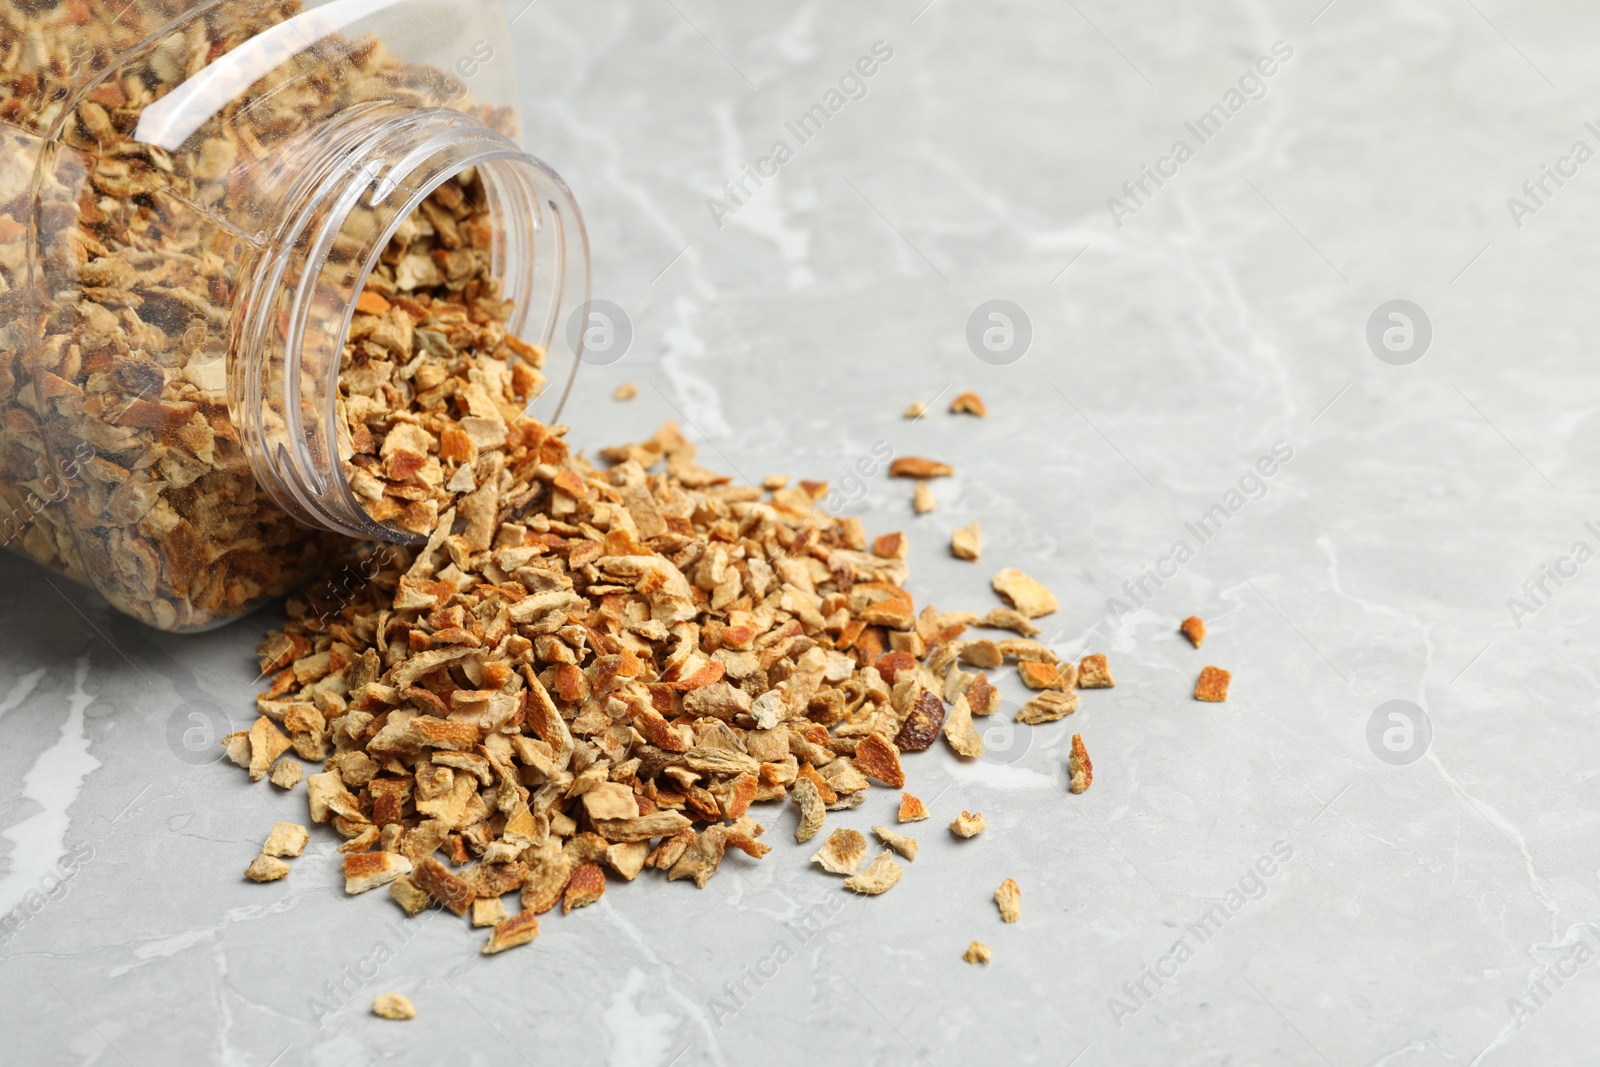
<point>1008,898</point>
<point>520,929</point>
<point>879,759</point>
<point>1212,685</point>
<point>1025,594</point>
<point>1047,675</point>
<point>906,846</point>
<point>966,543</point>
<point>918,467</point>
<point>1048,706</point>
<point>969,824</point>
<point>911,809</point>
<point>266,868</point>
<point>587,885</point>
<point>1009,619</point>
<point>1080,771</point>
<point>959,732</point>
<point>969,404</point>
<point>1094,672</point>
<point>919,731</point>
<point>812,810</point>
<point>393,1006</point>
<point>286,839</point>
<point>880,876</point>
<point>842,853</point>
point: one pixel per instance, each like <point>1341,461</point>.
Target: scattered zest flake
<point>890,546</point>
<point>1009,899</point>
<point>1048,706</point>
<point>968,824</point>
<point>1212,686</point>
<point>969,404</point>
<point>906,846</point>
<point>1080,771</point>
<point>879,877</point>
<point>520,929</point>
<point>1194,630</point>
<point>966,543</point>
<point>1095,673</point>
<point>1048,675</point>
<point>266,869</point>
<point>911,809</point>
<point>917,467</point>
<point>842,853</point>
<point>977,952</point>
<point>393,1006</point>
<point>959,732</point>
<point>286,839</point>
<point>1025,594</point>
<point>1008,619</point>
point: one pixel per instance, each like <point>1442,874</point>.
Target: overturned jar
<point>215,219</point>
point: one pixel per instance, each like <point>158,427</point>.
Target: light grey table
<point>1437,911</point>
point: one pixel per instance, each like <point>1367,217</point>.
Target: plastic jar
<point>192,196</point>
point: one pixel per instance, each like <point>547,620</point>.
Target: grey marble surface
<point>1441,911</point>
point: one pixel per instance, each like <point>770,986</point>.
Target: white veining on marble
<point>53,783</point>
<point>637,1036</point>
<point>160,948</point>
<point>999,776</point>
<point>794,43</point>
<point>763,213</point>
<point>22,690</point>
<point>695,392</point>
<point>703,1030</point>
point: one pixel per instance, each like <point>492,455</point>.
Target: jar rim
<point>298,462</point>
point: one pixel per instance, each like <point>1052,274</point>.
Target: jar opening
<point>302,302</point>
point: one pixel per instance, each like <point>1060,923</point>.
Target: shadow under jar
<point>193,198</point>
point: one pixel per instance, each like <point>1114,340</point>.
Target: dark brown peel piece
<point>921,728</point>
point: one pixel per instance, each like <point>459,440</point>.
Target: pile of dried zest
<point>588,673</point>
<point>432,388</point>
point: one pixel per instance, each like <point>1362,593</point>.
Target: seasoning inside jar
<point>211,214</point>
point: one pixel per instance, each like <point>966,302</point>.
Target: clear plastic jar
<point>192,196</point>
